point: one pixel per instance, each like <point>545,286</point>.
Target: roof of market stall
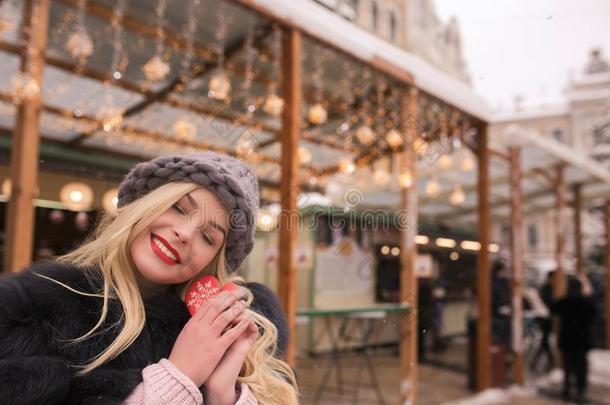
<point>106,102</point>
<point>81,95</point>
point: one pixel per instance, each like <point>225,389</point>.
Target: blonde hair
<point>271,380</point>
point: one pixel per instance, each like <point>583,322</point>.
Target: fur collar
<point>38,318</point>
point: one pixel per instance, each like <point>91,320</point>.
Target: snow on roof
<point>324,24</point>
<point>534,112</point>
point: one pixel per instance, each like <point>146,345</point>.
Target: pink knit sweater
<point>164,384</point>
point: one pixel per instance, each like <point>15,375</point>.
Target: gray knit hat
<point>233,182</point>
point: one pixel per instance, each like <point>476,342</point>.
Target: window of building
<point>532,236</point>
<point>558,134</point>
<point>601,134</point>
<point>505,235</point>
<point>393,26</point>
<point>348,9</point>
<point>356,7</point>
<point>375,16</point>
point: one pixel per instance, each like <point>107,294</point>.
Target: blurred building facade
<point>411,25</point>
<point>582,122</point>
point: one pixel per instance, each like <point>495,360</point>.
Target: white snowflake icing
<point>202,293</point>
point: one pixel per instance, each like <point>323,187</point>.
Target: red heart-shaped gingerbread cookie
<point>202,290</point>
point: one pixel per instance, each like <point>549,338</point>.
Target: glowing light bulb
<point>219,86</point>
<point>317,114</point>
<point>347,166</point>
<point>405,180</point>
<point>393,138</point>
<point>433,189</point>
<point>457,196</point>
<point>274,105</point>
<point>381,177</point>
<point>156,69</point>
<point>365,135</point>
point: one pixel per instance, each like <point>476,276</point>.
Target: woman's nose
<point>182,235</point>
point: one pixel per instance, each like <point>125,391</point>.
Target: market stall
<point>308,99</point>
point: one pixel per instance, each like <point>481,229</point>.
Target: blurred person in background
<point>438,307</point>
<point>501,305</point>
<point>576,312</point>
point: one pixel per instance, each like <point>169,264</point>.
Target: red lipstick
<point>160,252</point>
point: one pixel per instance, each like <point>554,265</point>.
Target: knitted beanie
<point>233,182</point>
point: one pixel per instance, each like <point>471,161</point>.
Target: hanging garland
<point>156,69</point>
<point>79,44</point>
<point>274,104</point>
<point>219,85</point>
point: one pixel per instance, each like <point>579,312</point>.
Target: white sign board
<point>343,275</point>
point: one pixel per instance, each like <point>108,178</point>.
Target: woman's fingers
<point>216,305</point>
<point>232,334</point>
<point>254,329</point>
<point>228,317</point>
<point>243,315</point>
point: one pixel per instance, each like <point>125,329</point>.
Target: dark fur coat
<point>38,317</point>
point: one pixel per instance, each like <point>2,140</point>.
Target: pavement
<point>437,385</point>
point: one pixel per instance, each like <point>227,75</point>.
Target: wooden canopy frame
<point>414,120</point>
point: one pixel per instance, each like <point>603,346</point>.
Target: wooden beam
<point>198,108</point>
<point>483,339</point>
<point>497,153</point>
<point>291,127</point>
<point>366,155</point>
<point>560,204</point>
<point>577,190</point>
<point>26,140</point>
<point>517,248</point>
<point>408,252</point>
<point>58,147</point>
<point>496,180</point>
<point>308,136</point>
<point>135,132</point>
<point>377,62</point>
<point>178,83</point>
<point>551,180</point>
<point>132,132</point>
<point>382,64</point>
<point>103,77</point>
<point>376,150</point>
<point>465,210</point>
<point>528,210</point>
<point>607,265</point>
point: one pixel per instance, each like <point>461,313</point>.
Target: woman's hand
<point>223,380</point>
<point>202,343</point>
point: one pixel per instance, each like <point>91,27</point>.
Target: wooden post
<point>408,252</point>
<point>26,139</point>
<point>483,359</point>
<point>559,278</point>
<point>291,127</point>
<point>577,228</point>
<point>517,244</point>
<point>607,263</point>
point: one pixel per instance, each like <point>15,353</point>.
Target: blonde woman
<point>107,323</point>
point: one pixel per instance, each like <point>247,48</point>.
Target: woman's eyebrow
<point>212,223</point>
<point>192,201</point>
<point>216,226</point>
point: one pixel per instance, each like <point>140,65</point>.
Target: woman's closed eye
<point>207,238</point>
<point>178,208</point>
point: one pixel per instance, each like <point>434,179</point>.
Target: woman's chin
<point>154,271</point>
